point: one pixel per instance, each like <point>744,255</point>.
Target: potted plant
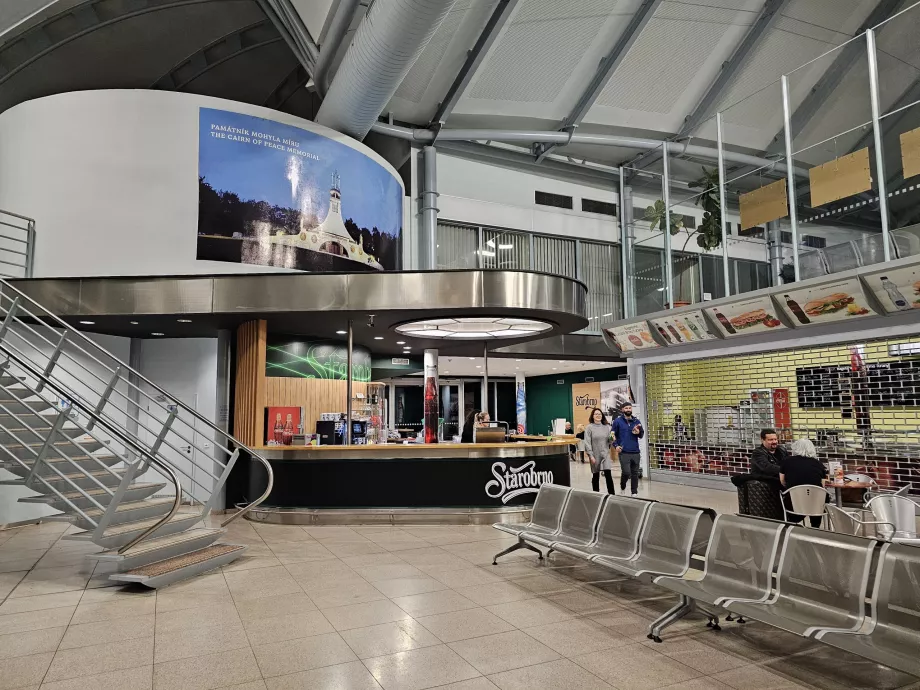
<point>708,233</point>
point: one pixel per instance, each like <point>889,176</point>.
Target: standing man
<point>766,458</point>
<point>627,430</point>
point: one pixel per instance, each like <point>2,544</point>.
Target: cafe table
<point>839,486</point>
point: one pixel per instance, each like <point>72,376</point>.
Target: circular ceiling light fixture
<point>473,328</point>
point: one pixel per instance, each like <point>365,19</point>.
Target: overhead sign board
<point>633,336</point>
<point>824,303</point>
<point>748,316</point>
<point>896,289</point>
<point>686,327</point>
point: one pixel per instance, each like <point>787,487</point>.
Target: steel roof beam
<point>605,71</point>
<point>474,57</point>
<point>72,24</point>
<point>295,80</point>
<point>226,48</point>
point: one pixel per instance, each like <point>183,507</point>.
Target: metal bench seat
<point>821,584</point>
<point>544,518</point>
<point>617,534</point>
<point>892,636</point>
<point>739,566</point>
<point>739,562</point>
<point>577,523</point>
<point>665,543</point>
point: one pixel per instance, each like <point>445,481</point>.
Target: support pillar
<point>428,211</point>
<point>350,379</point>
<point>431,402</point>
<point>485,378</point>
<point>775,248</point>
<point>520,402</point>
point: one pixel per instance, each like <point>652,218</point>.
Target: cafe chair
<point>900,513</point>
<point>807,500</point>
<point>860,478</point>
<point>848,522</point>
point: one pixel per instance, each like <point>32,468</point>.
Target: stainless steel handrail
<point>123,438</point>
<point>140,377</point>
<point>258,501</point>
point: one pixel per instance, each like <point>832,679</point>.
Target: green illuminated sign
<point>315,360</point>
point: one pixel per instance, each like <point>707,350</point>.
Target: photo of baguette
<point>828,304</point>
<point>752,318</point>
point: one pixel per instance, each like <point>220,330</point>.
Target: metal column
<point>790,176</point>
<point>722,206</point>
<point>668,264</point>
<point>775,249</point>
<point>877,134</point>
<point>626,285</point>
<point>348,385</point>
<point>428,242</point>
<point>485,377</point>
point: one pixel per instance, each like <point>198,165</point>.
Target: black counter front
<point>411,476</point>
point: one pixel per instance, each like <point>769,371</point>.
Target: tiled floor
<point>355,607</point>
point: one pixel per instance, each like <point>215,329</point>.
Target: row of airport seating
<point>854,593</point>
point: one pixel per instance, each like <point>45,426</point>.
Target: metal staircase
<point>137,470</point>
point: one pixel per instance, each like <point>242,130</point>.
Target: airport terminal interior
<point>501,344</point>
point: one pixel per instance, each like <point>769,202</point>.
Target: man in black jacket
<point>766,457</point>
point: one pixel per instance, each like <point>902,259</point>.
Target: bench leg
<point>521,544</point>
<point>549,552</point>
<point>684,607</point>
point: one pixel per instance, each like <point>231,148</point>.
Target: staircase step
<point>128,511</point>
<point>24,401</point>
<point>119,535</point>
<point>135,492</point>
<point>160,548</point>
<point>165,572</point>
<point>16,432</point>
<point>85,462</point>
<point>84,480</point>
<point>27,448</point>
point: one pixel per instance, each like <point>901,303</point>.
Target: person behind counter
<point>765,460</point>
<point>802,467</point>
<point>473,420</point>
<point>627,430</point>
<point>597,446</point>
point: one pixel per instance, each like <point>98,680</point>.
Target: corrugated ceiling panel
<point>416,83</point>
<point>544,42</point>
<point>668,54</point>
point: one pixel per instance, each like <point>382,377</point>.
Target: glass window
<point>713,275</point>
<point>554,255</point>
<point>457,245</point>
<point>503,249</point>
<point>751,275</point>
<point>648,279</point>
<point>686,278</point>
<point>600,271</point>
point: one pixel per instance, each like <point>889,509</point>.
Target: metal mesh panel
<point>740,561</point>
<point>503,249</point>
<point>548,506</point>
<point>619,526</point>
<point>822,578</point>
<point>667,536</point>
<point>580,515</point>
<point>859,403</point>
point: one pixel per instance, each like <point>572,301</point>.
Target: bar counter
<point>396,475</point>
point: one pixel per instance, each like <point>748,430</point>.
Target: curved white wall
<point>110,178</point>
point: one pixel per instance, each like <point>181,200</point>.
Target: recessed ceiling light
<point>400,342</point>
<point>184,320</point>
<point>88,323</point>
<point>134,323</point>
<point>554,368</point>
<point>472,358</point>
<point>517,360</point>
<point>341,332</point>
<point>378,337</point>
<point>479,366</point>
<point>155,333</point>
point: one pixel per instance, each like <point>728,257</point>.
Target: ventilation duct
<point>386,45</point>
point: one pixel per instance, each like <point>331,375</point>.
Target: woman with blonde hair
<point>801,467</point>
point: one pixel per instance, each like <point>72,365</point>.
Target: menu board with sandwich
<point>897,289</point>
<point>632,337</point>
<point>825,303</point>
<point>755,315</point>
<point>686,327</point>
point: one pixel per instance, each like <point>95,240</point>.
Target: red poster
<point>281,425</point>
<point>782,414</point>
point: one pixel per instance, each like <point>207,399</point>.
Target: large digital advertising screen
<point>273,194</point>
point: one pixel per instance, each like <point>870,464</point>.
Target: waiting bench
<point>544,519</point>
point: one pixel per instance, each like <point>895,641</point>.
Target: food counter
<point>411,475</point>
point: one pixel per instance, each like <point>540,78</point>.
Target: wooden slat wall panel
<point>315,396</point>
<point>249,400</point>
